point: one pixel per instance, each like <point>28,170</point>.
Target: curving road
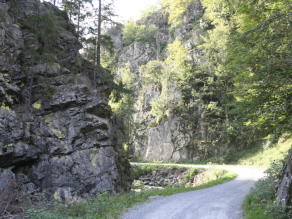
<point>222,201</point>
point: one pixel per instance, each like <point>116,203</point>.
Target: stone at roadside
<point>154,197</point>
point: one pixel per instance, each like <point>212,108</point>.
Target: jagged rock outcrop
<point>63,143</point>
<point>168,137</point>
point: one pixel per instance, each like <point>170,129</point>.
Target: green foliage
<point>152,125</point>
<point>108,61</point>
<point>138,33</point>
<point>159,118</point>
<point>43,214</point>
<point>78,12</point>
<point>46,30</point>
<point>177,56</point>
<point>137,184</point>
<point>246,45</point>
<point>204,93</point>
<point>190,175</point>
<point>98,43</point>
<point>129,32</point>
<point>278,212</point>
<point>149,11</point>
<point>164,75</point>
<point>122,102</point>
<point>177,9</point>
<point>264,189</point>
<point>255,46</point>
<point>261,154</point>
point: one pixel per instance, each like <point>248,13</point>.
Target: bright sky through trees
<point>128,9</point>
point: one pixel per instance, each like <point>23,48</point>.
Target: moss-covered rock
<point>62,143</point>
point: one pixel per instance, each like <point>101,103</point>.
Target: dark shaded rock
<point>6,177</point>
<point>63,143</point>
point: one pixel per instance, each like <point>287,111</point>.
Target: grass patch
<point>111,206</point>
<point>253,210</point>
<point>263,157</point>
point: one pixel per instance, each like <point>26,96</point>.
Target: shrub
<point>278,212</point>
<point>263,189</point>
<point>152,125</point>
<point>10,200</point>
<point>159,118</point>
<point>137,184</point>
<point>190,175</point>
<point>138,33</point>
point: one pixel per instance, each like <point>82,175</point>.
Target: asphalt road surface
<point>222,201</point>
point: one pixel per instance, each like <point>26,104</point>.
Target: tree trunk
<point>98,35</point>
<point>32,76</point>
<point>129,131</point>
<point>30,88</point>
<point>94,72</point>
<point>157,45</point>
<point>78,21</point>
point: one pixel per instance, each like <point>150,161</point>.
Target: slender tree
<point>102,17</point>
<point>78,11</point>
<point>98,35</point>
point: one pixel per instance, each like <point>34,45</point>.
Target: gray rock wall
<point>171,138</point>
<point>62,145</point>
<point>165,141</point>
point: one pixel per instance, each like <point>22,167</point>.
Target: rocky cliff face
<point>283,191</point>
<point>168,137</point>
<point>62,144</point>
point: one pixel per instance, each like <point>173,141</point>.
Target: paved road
<point>222,201</point>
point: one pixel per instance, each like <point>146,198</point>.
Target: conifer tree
<point>102,15</point>
<point>122,102</point>
<point>78,11</point>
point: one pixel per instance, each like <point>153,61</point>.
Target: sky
<point>128,9</point>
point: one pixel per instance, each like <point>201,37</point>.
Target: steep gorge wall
<point>170,136</point>
<point>62,145</point>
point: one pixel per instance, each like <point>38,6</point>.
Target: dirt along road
<point>222,201</point>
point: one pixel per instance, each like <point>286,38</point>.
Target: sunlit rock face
<point>63,144</point>
<point>168,137</point>
<point>166,141</point>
